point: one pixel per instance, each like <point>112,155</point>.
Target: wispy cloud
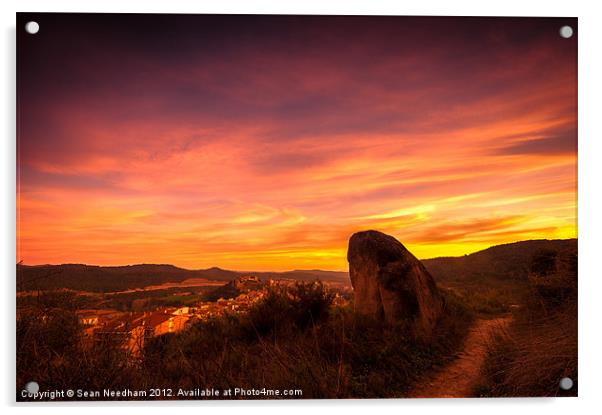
<point>266,150</point>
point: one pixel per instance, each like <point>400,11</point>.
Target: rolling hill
<point>508,263</point>
<point>501,264</point>
<point>117,278</point>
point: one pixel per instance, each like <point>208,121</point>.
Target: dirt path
<point>458,379</point>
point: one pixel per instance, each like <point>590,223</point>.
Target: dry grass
<point>290,340</point>
<point>530,359</point>
<point>540,347</point>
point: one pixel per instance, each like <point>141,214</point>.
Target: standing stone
<point>391,284</point>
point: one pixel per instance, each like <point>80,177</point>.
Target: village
<point>131,329</point>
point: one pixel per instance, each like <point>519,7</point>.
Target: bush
<point>297,308</point>
<point>543,262</point>
<point>311,303</point>
<point>47,340</point>
<point>52,351</point>
<point>272,314</point>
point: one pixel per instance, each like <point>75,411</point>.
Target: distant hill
<point>508,263</point>
<point>307,275</point>
<point>501,263</point>
<point>117,278</point>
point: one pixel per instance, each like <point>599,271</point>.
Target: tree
<point>543,263</point>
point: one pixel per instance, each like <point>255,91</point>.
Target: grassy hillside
<point>508,262</point>
<point>494,280</point>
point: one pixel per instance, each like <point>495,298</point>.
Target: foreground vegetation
<point>294,338</point>
<point>540,346</point>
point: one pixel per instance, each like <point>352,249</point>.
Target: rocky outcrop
<point>392,284</point>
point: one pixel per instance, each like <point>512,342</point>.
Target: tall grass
<point>540,346</point>
<point>297,340</point>
<point>292,339</point>
<point>51,351</point>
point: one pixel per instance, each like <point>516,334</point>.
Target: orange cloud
<point>269,158</point>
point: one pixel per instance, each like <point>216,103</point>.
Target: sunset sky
<point>263,143</point>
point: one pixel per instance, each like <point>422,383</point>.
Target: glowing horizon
<point>262,143</point>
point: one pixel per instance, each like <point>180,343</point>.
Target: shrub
<point>272,314</point>
<point>311,303</point>
<point>295,308</point>
<point>53,352</point>
<point>543,262</point>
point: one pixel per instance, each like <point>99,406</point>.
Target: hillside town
<point>131,329</point>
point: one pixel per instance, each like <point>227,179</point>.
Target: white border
<point>590,207</point>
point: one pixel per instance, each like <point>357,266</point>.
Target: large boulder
<point>391,284</point>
